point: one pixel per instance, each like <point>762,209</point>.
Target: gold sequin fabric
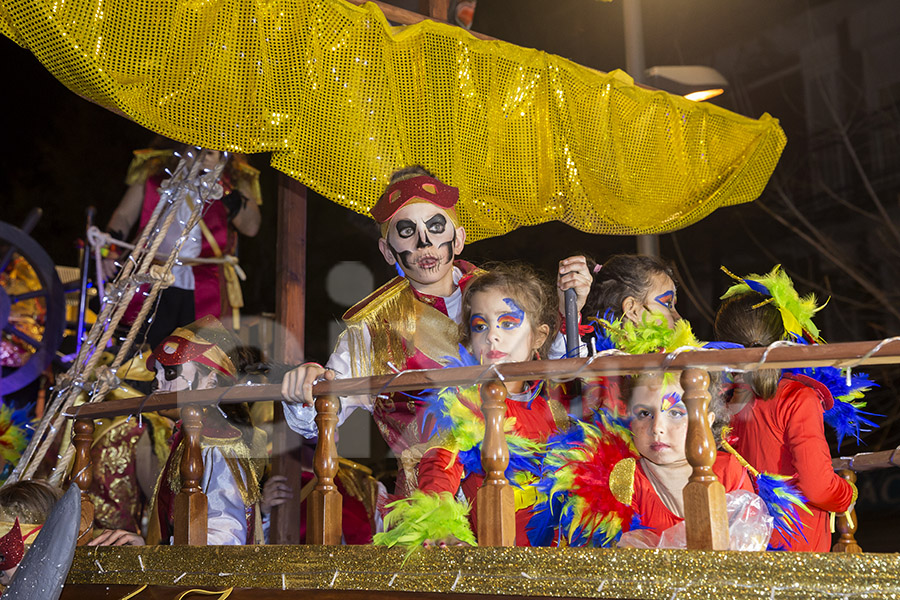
<point>342,99</point>
<point>569,572</point>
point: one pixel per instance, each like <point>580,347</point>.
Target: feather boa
<point>649,336</point>
<point>796,312</point>
<point>584,492</point>
<point>457,416</point>
<point>424,516</point>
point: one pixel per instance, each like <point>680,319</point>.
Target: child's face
<point>423,240</point>
<point>658,420</point>
<point>6,575</point>
<point>659,301</point>
<point>499,329</point>
<point>182,377</point>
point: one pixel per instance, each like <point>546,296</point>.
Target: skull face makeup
<point>423,240</point>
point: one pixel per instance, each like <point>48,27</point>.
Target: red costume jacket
<point>654,513</point>
<point>440,471</point>
<point>786,435</point>
<point>209,295</point>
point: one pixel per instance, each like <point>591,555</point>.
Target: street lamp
<point>696,83</point>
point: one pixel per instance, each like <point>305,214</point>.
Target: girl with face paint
<point>658,422</point>
<point>507,316</point>
<point>630,285</point>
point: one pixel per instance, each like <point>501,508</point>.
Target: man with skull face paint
<point>411,321</point>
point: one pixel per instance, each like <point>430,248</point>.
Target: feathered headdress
<point>782,499</point>
<point>796,312</point>
<point>586,486</point>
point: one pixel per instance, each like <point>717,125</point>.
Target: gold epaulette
<point>376,300</point>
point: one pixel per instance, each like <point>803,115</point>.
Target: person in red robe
<point>778,418</point>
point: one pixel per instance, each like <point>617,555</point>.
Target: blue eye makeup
<point>666,299</point>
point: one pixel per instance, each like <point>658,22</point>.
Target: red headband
<point>422,188</point>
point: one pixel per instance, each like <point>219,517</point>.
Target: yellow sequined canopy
<point>341,98</point>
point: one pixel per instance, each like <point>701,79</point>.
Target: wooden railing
<point>704,497</point>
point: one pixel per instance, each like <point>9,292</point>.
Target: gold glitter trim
<point>621,480</point>
<point>568,572</point>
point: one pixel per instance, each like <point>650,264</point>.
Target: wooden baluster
<point>847,542</point>
<point>83,475</point>
<point>495,502</point>
<point>323,517</point>
<point>191,511</point>
<point>704,496</point>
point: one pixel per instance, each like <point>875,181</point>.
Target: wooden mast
<point>290,309</point>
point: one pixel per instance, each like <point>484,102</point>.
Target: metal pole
<point>85,263</point>
<point>636,66</point>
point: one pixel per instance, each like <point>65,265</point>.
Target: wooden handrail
<point>323,521</point>
<point>191,508</point>
<point>496,502</point>
<point>868,461</point>
<point>704,495</point>
<point>837,355</point>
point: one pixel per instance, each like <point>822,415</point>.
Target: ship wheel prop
<point>32,307</point>
<point>87,379</point>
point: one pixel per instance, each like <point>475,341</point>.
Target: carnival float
<point>341,96</point>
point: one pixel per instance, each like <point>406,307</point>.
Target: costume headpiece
<point>796,312</point>
<point>422,188</point>
<point>202,341</point>
<point>12,543</point>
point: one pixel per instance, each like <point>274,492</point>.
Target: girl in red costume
<point>508,314</point>
<point>778,418</point>
<point>631,288</point>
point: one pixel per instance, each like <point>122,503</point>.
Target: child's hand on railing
<point>276,491</point>
<point>451,541</point>
<point>298,383</point>
<point>117,537</point>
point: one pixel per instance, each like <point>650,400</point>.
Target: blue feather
<point>845,418</point>
<point>782,500</point>
<point>721,345</point>
<point>757,287</point>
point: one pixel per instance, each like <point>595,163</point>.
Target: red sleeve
<point>810,456</point>
<point>730,472</point>
<point>440,471</point>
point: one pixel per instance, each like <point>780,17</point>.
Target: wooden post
<point>847,541</point>
<point>323,520</point>
<point>290,311</point>
<point>190,504</point>
<point>495,502</point>
<point>83,475</point>
<point>439,9</point>
<point>704,496</point>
